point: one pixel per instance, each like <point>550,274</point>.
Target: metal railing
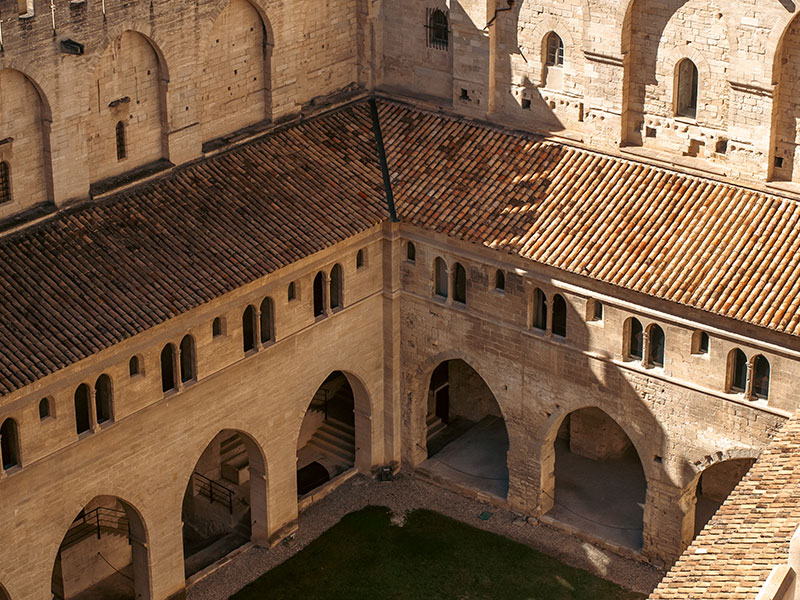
<point>214,491</point>
<point>320,402</point>
<point>110,521</point>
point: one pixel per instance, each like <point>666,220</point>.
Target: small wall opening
<point>715,485</point>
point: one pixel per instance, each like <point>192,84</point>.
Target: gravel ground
<point>408,493</point>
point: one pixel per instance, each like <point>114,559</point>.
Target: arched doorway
<point>326,446</point>
<point>599,486</point>
<point>225,503</point>
<point>465,433</point>
<point>3,594</point>
<point>104,554</point>
<point>714,485</point>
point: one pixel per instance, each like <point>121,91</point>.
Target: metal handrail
<point>214,491</point>
<point>96,522</point>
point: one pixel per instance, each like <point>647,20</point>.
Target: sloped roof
<point>94,275</point>
<point>749,535</point>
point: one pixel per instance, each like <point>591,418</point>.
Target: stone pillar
<point>258,506</point>
<point>606,112</point>
<point>668,521</point>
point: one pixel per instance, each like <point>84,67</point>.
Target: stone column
<point>668,521</point>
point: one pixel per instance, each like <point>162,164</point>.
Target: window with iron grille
<point>5,183</point>
<point>438,29</point>
<point>555,50</point>
<point>121,152</point>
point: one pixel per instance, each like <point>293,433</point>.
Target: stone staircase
<point>435,426</point>
<point>336,440</point>
<point>234,460</point>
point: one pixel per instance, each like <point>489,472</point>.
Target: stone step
<point>435,426</point>
<point>344,428</point>
<point>335,438</point>
<point>331,449</point>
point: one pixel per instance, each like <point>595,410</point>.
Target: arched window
<point>440,277</point>
<point>539,309</point>
<point>555,50</point>
<point>44,408</point>
<point>437,29</point>
<point>216,327</point>
<point>9,444</point>
<point>359,259</point>
<point>594,310</point>
<point>168,381</point>
<point>102,399</point>
<point>133,366</point>
<point>559,316</point>
<point>411,252</point>
<point>249,328</point>
<point>188,370</point>
<point>760,377</point>
<point>459,284</point>
<point>655,356</point>
<point>635,346</point>
<point>5,182</point>
<point>291,293</point>
<point>83,419</point>
<point>500,281</point>
<point>319,294</point>
<point>686,89</point>
<point>700,342</point>
<point>336,285</point>
<point>737,371</point>
<point>267,322</point>
<point>122,151</point>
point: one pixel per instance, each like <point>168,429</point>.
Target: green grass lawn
<point>432,557</point>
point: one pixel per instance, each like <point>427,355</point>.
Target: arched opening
<point>168,380</point>
<point>655,356</point>
<point>291,292</point>
<point>188,360</point>
<point>459,284</point>
<point>5,182</point>
<point>225,503</point>
<point>327,445</point>
<point>411,252</point>
<point>360,259</point>
<point>103,399</point>
<point>465,432</point>
<point>760,377</point>
<point>438,29</point>
<point>249,328</point>
<point>599,484</point>
<point>336,285</point>
<point>133,366</point>
<point>700,343</point>
<point>500,281</point>
<point>216,327</point>
<point>4,594</point>
<point>539,310</point>
<point>267,321</point>
<point>319,295</point>
<point>45,410</point>
<point>559,316</point>
<point>440,277</point>
<point>686,89</point>
<point>121,146</point>
<point>83,418</point>
<point>104,554</point>
<point>634,339</point>
<point>737,371</point>
<point>9,444</point>
<point>594,310</point>
<point>236,86</point>
<point>554,50</point>
<point>715,485</point>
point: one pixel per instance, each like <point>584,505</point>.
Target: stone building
<point>251,248</point>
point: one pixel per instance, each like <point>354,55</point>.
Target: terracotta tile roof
<point>749,535</point>
<point>97,274</point>
<point>720,248</point>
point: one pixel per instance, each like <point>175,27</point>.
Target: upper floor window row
<point>442,277</point>
<point>750,378</point>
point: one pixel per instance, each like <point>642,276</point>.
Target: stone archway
<point>465,434</point>
<point>225,503</point>
<point>598,485</point>
<point>714,485</point>
<point>104,554</point>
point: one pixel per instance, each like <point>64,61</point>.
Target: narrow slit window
<point>440,277</point>
<point>559,316</point>
<point>249,329</point>
<point>319,295</point>
<point>102,399</point>
<point>737,368</point>
<point>359,259</point>
<point>83,421</point>
<point>188,369</point>
<point>459,284</point>
<point>657,343</point>
<point>9,444</point>
<point>635,349</point>
<point>438,29</point>
<point>539,310</point>
<point>500,281</point>
<point>5,183</point>
<point>121,147</point>
<point>291,292</point>
<point>267,321</point>
<point>168,368</point>
<point>686,101</point>
<point>411,252</point>
<point>760,377</point>
<point>335,287</point>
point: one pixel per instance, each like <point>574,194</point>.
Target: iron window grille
<point>438,29</point>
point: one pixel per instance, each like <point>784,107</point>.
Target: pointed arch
<point>188,361</point>
<point>82,401</point>
<point>267,320</point>
<point>336,287</point>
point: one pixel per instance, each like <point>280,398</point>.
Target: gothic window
<point>168,381</point>
<point>102,398</point>
<point>760,377</point>
<point>555,50</point>
<point>83,421</point>
<point>249,329</point>
<point>700,342</point>
<point>686,95</point>
<point>120,134</point>
<point>319,295</point>
<point>459,284</point>
<point>635,345</point>
<point>188,370</point>
<point>267,321</point>
<point>539,309</point>
<point>5,182</point>
<point>656,340</point>
<point>44,408</point>
<point>440,277</point>
<point>500,281</point>
<point>737,371</point>
<point>411,252</point>
<point>9,444</point>
<point>437,29</point>
<point>559,316</point>
<point>336,284</point>
<point>594,310</point>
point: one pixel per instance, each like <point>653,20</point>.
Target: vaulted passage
<point>326,446</point>
<point>103,554</point>
<point>465,432</point>
<point>224,505</point>
<point>599,482</point>
<point>715,485</point>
